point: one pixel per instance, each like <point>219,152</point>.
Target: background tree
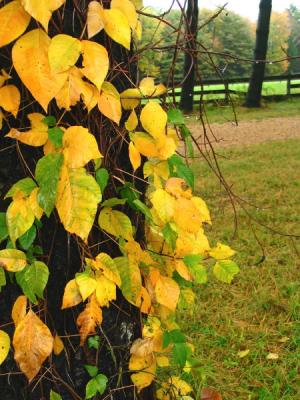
<point>260,53</point>
<point>294,38</point>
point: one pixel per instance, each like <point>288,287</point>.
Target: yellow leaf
<point>10,99</point>
<point>36,136</point>
<point>19,309</point>
<point>176,187</point>
<point>164,204</point>
<point>132,121</point>
<point>167,292</point>
<point>134,156</point>
<point>95,62</point>
<point>86,284</point>
<point>161,169</point>
<point>179,386</point>
<point>202,209</point>
<point>33,343</point>
<point>109,102</point>
<point>12,260</point>
<point>145,144</point>
<point>42,10</point>
<point>130,98</point>
<point>4,346</point>
<point>58,345</point>
<point>159,90</point>
<point>106,265</point>
<point>64,51</point>
<point>30,59</point>
<point>79,147</point>
<point>144,302</point>
<point>13,22</point>
<point>128,9</point>
<point>116,223</point>
<point>78,196</point>
<point>4,76</point>
<point>154,119</point>
<point>94,19</point>
<point>116,25</point>
<point>166,147</point>
<point>272,356</point>
<point>162,361</point>
<point>142,347</point>
<point>244,353</point>
<point>19,218</point>
<point>187,216</point>
<point>1,119</point>
<point>72,296</point>
<point>34,205</point>
<point>105,290</point>
<point>221,252</point>
<point>147,368</point>
<point>147,86</point>
<point>89,318</point>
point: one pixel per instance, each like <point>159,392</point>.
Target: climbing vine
<point>155,270</point>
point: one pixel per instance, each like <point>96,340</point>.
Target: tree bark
<point>260,53</point>
<point>190,60</point>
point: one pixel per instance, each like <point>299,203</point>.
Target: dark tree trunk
<point>63,253</point>
<point>260,53</point>
<point>190,60</point>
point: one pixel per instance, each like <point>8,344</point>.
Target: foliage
<point>155,274</point>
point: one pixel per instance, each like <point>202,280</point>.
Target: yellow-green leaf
<point>64,51</point>
<point>116,223</point>
<point>86,284</point>
<point>221,252</point>
<point>105,290</point>
<point>145,368</point>
<point>95,62</point>
<point>109,102</point>
<point>12,260</point>
<point>77,198</point>
<point>225,270</point>
<point>30,59</point>
<point>79,146</point>
<point>4,346</point>
<point>42,10</point>
<point>13,22</point>
<point>36,136</point>
<point>19,218</point>
<point>10,99</point>
<point>131,279</point>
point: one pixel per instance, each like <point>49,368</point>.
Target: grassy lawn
<point>260,310</point>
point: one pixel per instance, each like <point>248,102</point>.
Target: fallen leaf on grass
<point>210,394</point>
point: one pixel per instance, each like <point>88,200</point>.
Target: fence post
<point>288,85</point>
<point>226,85</point>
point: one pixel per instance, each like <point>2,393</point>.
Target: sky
<point>247,8</point>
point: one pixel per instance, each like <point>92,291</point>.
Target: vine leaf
<point>33,204</point>
<point>146,366</point>
<point>42,10</point>
<point>64,51</point>
<point>33,343</point>
<point>130,98</point>
<point>19,310</point>
<point>105,264</point>
<point>221,252</point>
<point>86,284</point>
<point>105,290</point>
<point>225,270</point>
<point>128,9</point>
<point>23,186</point>
<point>154,119</point>
<point>79,147</point>
<point>131,279</point>
<point>30,59</point>
<point>33,280</point>
<point>12,15</point>
<point>47,174</point>
<point>77,215</point>
<point>89,318</point>
<point>12,260</point>
<point>10,99</point>
<point>167,292</point>
<point>72,296</point>
<point>132,121</point>
<point>19,218</point>
<point>36,136</point>
<point>134,156</point>
<point>109,102</point>
<point>95,62</point>
<point>58,345</point>
<point>116,223</point>
<point>4,346</point>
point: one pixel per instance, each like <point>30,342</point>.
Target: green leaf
<point>55,136</point>
<point>47,174</point>
<point>190,147</point>
<point>225,270</point>
<point>175,116</point>
<point>27,239</point>
<point>180,353</point>
<point>2,278</point>
<point>180,170</point>
<point>25,185</point>
<point>96,385</point>
<point>94,342</point>
<point>91,370</point>
<point>185,132</point>
<point>170,235</point>
<point>3,227</point>
<point>114,201</point>
<point>198,271</point>
<point>102,177</point>
<point>143,208</point>
<point>128,192</point>
<point>33,280</point>
<point>50,120</point>
<point>174,336</point>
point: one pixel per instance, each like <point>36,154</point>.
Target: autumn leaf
<point>128,9</point>
<point>115,222</point>
<point>42,10</point>
<point>134,156</point>
<point>109,102</point>
<point>164,204</point>
<point>154,119</point>
<point>145,144</point>
<point>86,284</point>
<point>221,252</point>
<point>167,292</point>
<point>132,121</point>
<point>131,279</point>
<point>63,53</point>
<point>12,260</point>
<point>78,196</point>
<point>33,343</point>
<point>89,318</point>
<point>72,296</point>
<point>12,15</point>
<point>30,59</point>
<point>19,309</point>
<point>146,366</point>
<point>95,62</point>
<point>225,270</point>
<point>210,394</point>
<point>4,346</point>
<point>10,99</point>
<point>36,136</point>
<point>147,86</point>
<point>19,218</point>
<point>95,22</point>
<point>58,345</point>
<point>130,98</point>
<point>105,290</point>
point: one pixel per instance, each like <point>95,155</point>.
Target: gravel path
<point>249,132</point>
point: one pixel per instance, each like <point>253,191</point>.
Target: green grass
<point>269,109</point>
<point>260,310</point>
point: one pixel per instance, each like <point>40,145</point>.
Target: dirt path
<point>250,132</point>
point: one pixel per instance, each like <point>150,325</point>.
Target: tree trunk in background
<point>260,53</point>
<point>186,101</point>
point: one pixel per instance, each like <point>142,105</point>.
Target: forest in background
<point>230,34</point>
